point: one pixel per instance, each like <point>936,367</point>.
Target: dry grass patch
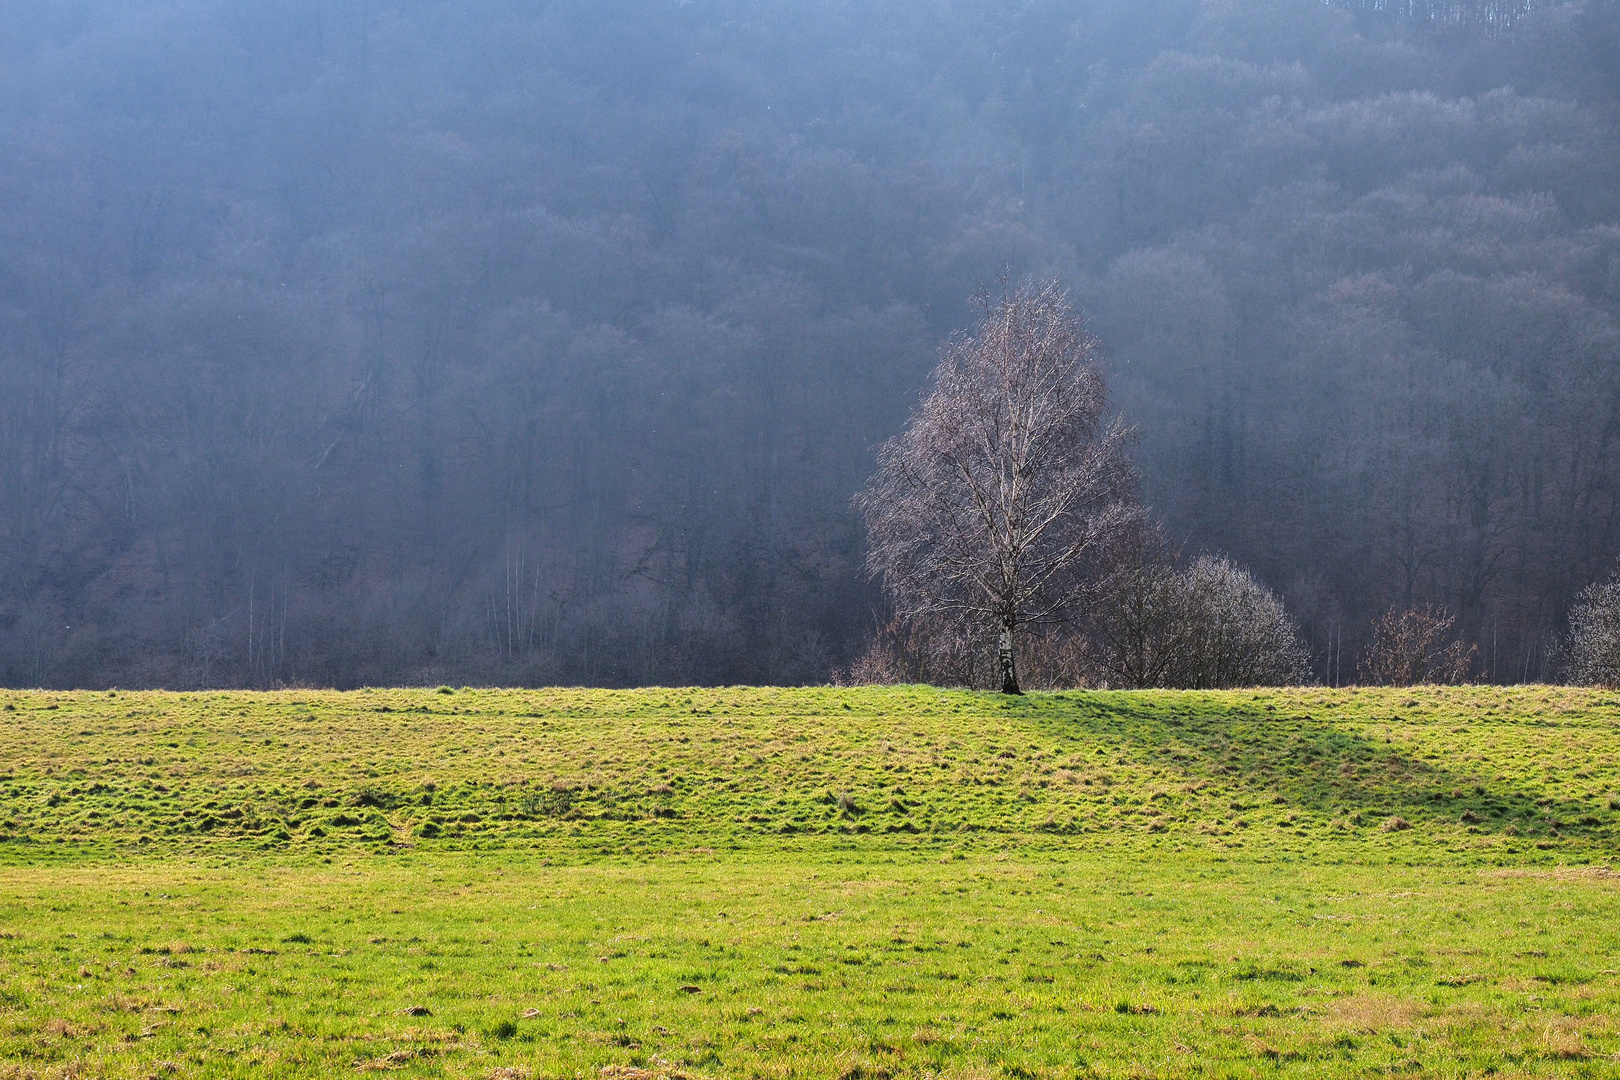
<point>1375,1013</point>
<point>399,1059</point>
<point>1563,1040</point>
<point>1597,875</point>
<point>662,1071</point>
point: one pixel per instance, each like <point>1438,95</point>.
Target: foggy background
<point>387,341</point>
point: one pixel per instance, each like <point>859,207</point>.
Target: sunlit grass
<point>841,883</point>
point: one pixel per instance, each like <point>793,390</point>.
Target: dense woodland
<point>396,342</point>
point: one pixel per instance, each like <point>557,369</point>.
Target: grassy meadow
<point>842,883</point>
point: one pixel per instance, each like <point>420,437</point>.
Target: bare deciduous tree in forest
<point>1411,647</point>
<point>1008,476</point>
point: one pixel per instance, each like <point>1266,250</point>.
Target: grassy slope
<point>855,882</point>
<point>626,771</point>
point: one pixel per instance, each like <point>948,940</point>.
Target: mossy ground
<point>826,882</point>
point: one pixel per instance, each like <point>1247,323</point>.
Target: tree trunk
<point>1004,655</point>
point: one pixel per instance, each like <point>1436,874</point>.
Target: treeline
<point>1488,15</point>
<point>516,342</point>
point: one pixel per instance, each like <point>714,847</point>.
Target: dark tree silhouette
<point>986,506</point>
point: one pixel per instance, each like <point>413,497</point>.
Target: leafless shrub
<point>1209,625</point>
<point>1241,634</point>
<point>1592,648</point>
<point>880,665</point>
<point>1411,647</point>
<point>1145,623</point>
<point>947,653</point>
<point>1136,633</point>
<point>938,650</point>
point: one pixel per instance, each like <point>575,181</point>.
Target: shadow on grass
<point>1313,762</point>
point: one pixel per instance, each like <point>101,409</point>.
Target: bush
<point>1209,625</point>
<point>1240,633</point>
<point>1593,646</point>
<point>937,649</point>
<point>1411,647</point>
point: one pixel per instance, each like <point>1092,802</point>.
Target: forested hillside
<point>358,343</point>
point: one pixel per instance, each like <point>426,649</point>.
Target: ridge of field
<point>1474,773</point>
<point>839,884</point>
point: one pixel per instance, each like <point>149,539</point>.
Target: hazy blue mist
<point>359,341</point>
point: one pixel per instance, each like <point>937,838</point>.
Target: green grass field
<point>834,883</point>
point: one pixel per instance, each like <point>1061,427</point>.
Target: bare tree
<point>1593,648</point>
<point>986,506</point>
<point>1410,647</point>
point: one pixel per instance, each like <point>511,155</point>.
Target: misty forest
<point>361,342</point>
